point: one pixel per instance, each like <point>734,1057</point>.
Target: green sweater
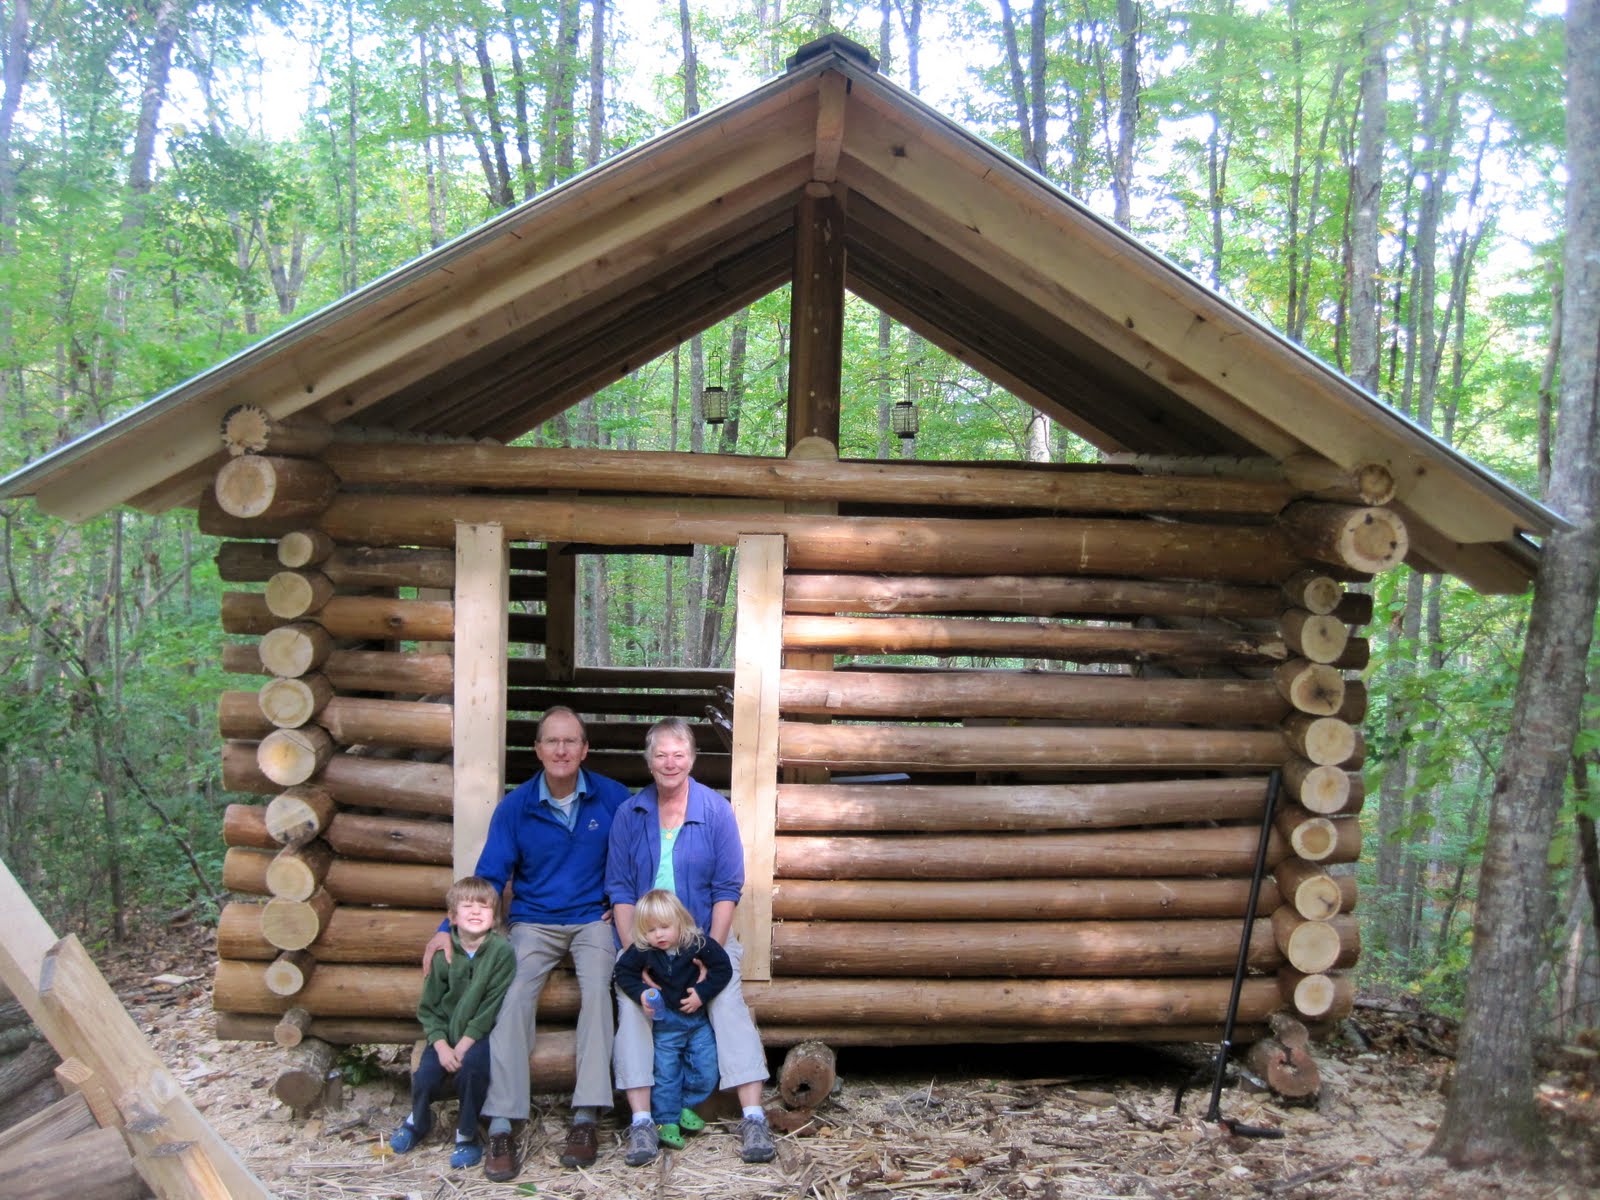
<point>462,998</point>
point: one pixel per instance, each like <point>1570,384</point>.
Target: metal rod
<point>1214,1113</point>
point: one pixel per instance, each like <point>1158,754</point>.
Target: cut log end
<point>807,1076</point>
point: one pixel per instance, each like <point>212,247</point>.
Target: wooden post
<point>560,614</point>
<point>816,317</point>
<point>483,580</point>
<point>758,648</point>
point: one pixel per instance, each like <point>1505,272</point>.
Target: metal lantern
<point>714,404</point>
<point>904,419</point>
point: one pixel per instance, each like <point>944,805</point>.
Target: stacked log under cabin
<point>933,853</point>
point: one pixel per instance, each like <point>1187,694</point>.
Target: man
<point>548,839</point>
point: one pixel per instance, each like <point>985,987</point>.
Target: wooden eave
<point>509,324</point>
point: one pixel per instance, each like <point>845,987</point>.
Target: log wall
<point>1054,845</point>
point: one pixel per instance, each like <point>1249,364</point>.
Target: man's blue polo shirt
<point>557,874</point>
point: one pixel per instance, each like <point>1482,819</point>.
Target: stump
<point>807,1076</point>
<point>1284,1060</point>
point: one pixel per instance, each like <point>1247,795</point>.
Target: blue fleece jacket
<point>557,876</point>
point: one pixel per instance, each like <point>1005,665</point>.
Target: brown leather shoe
<point>500,1163</point>
<point>581,1145</point>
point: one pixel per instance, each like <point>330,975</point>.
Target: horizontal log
<point>287,974</point>
<point>295,924</point>
<point>1319,839</point>
<point>1311,891</point>
<point>553,1062</point>
<point>511,468</point>
<point>1372,483</point>
<point>1364,539</point>
<point>95,1165</point>
<point>351,934</point>
<point>1318,997</point>
<point>298,815</point>
<point>1020,639</point>
<point>305,548</point>
<point>374,618</point>
<point>1147,853</point>
<point>1321,788</point>
<point>1315,636</point>
<point>1326,741</point>
<point>338,1031</point>
<point>351,720</point>
<point>996,748</point>
<point>63,1119</point>
<point>297,871</point>
<point>391,839</point>
<point>353,835</point>
<point>290,703</point>
<point>1013,899</point>
<point>258,486</point>
<point>1313,947</point>
<point>1313,591</point>
<point>626,766</point>
<point>532,672</point>
<point>340,990</point>
<point>350,881</point>
<point>1309,687</point>
<point>291,756</point>
<point>294,649</point>
<point>593,703</point>
<point>988,1034</point>
<point>350,567</point>
<point>1060,949</point>
<point>1023,595</point>
<point>291,595</point>
<point>1029,545</point>
<point>869,807</point>
<point>361,670</point>
<point>251,429</point>
<point>1044,694</point>
<point>291,1029</point>
<point>353,779</point>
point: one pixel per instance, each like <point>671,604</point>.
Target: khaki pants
<point>539,949</point>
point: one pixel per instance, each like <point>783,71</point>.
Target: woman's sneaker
<point>642,1144</point>
<point>755,1141</point>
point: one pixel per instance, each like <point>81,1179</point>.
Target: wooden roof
<point>511,323</point>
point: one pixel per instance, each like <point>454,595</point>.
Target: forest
<point>179,179</point>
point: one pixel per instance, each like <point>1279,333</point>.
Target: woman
<point>680,835</point>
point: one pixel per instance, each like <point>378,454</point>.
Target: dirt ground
<point>1006,1121</point>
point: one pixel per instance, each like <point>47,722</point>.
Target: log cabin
<point>932,854</point>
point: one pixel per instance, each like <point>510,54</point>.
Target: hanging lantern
<point>714,404</point>
<point>904,419</point>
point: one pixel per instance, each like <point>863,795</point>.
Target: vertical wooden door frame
<point>482,618</point>
<point>757,660</point>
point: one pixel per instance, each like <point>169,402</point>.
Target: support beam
<point>758,647</point>
<point>561,614</point>
<point>483,569</point>
<point>816,317</point>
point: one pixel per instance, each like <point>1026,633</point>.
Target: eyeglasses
<point>561,743</point>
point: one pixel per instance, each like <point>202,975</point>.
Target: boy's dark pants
<point>472,1085</point>
<point>686,1064</point>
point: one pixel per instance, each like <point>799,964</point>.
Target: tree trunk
<point>1491,1115</point>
